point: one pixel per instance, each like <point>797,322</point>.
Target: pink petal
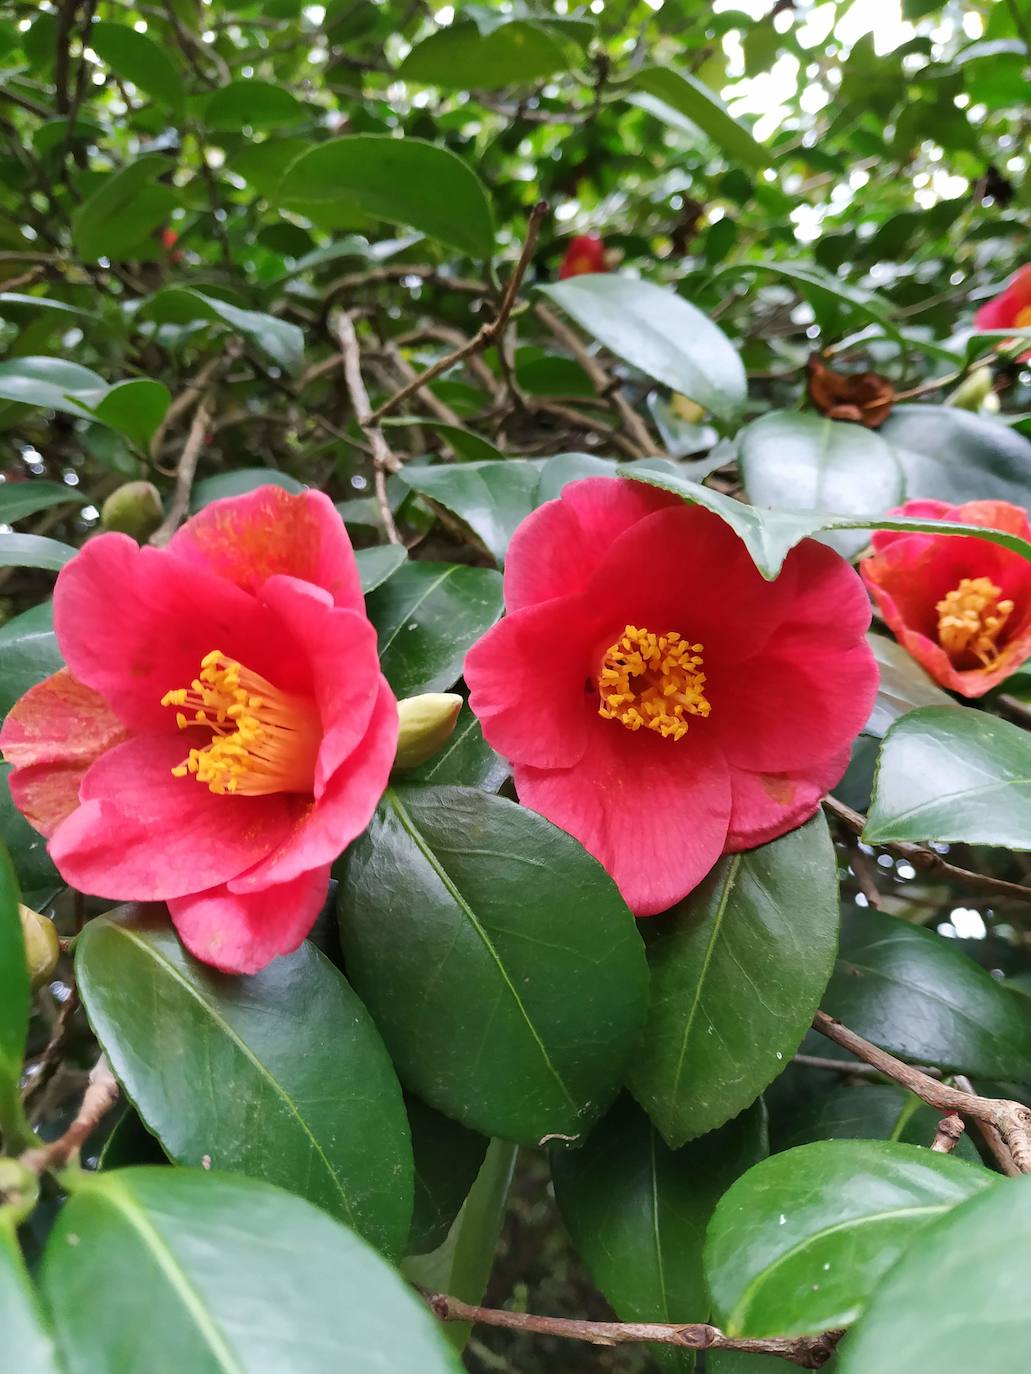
<point>343,810</point>
<point>143,835</point>
<point>51,736</point>
<point>242,932</point>
<point>652,811</point>
<point>248,539</point>
<point>133,623</point>
<point>766,805</point>
<point>918,510</point>
<point>557,548</point>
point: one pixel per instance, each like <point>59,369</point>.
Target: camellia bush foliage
<point>531,714</point>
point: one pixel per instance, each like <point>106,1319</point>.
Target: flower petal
<point>133,623</point>
<point>51,736</point>
<point>141,834</point>
<point>767,805</point>
<point>248,539</point>
<point>242,932</point>
<point>560,545</point>
<point>343,810</point>
<point>652,811</point>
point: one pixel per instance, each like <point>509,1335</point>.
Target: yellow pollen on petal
<point>652,682</point>
<point>1023,320</point>
<point>971,618</point>
<point>263,740</point>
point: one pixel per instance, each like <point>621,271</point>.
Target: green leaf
<point>238,483</point>
<point>19,499</point>
<point>770,535</point>
<point>27,847</point>
<point>308,1100</point>
<point>28,653</point>
<point>469,447</point>
<point>914,993</point>
<point>16,302</point>
<point>428,615</point>
<point>659,332</point>
<point>498,959</point>
<point>14,1008</point>
<point>681,100</point>
<point>447,1161</point>
<point>949,454</point>
<point>461,58</point>
<point>137,58</point>
<point>27,1341</point>
<point>637,1210</point>
<point>262,164</point>
<point>51,383</point>
<point>976,1308</point>
<point>737,970</point>
<point>467,760</point>
<point>226,1276</point>
<point>825,292</point>
<point>797,1245</point>
<point>377,564</point>
<point>903,685</point>
<point>803,461</point>
<point>135,408</point>
<point>281,343</point>
<point>250,104</point>
<point>951,773</point>
<point>33,551</point>
<point>128,205</point>
<point>403,180</point>
<point>492,498</point>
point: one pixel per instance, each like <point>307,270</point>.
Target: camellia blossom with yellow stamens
<point>659,699</point>
<point>1011,308</point>
<point>221,731</point>
<point>960,605</point>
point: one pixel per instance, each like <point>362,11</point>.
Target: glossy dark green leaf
<point>737,970</point>
<point>870,1111</point>
<point>130,1143</point>
<point>14,1006</point>
<point>951,773</point>
<point>403,180</point>
<point>307,1101</point>
<point>903,685</point>
<point>34,551</point>
<point>498,959</point>
<point>447,1159</point>
<point>469,447</point>
<point>794,460</point>
<point>659,332</point>
<point>27,1339</point>
<point>491,498</point>
<point>976,1308</point>
<point>127,206</point>
<point>28,653</point>
<point>680,99</point>
<point>428,616</point>
<point>912,992</point>
<point>238,483</point>
<point>770,535</point>
<point>281,342</point>
<point>950,454</point>
<point>138,58</point>
<point>467,760</point>
<point>637,1210</point>
<point>217,1274</point>
<point>377,564</point>
<point>19,499</point>
<point>251,104</point>
<point>798,1243</point>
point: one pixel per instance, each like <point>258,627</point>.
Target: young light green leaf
<point>136,57</point>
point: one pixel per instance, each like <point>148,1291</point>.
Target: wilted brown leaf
<point>865,398</point>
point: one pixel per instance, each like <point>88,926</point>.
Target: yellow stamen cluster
<point>263,740</point>
<point>652,682</point>
<point>971,618</point>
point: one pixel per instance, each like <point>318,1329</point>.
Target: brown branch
<point>947,1136</point>
<point>929,859</point>
<point>42,1071</point>
<point>809,1352</point>
<point>1012,1120</point>
<point>397,271</point>
<point>186,471</point>
<point>989,1133</point>
<point>383,458</point>
<point>102,1093</point>
<point>850,1068</point>
<point>488,333</point>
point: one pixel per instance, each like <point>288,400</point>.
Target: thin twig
<point>989,1133</point>
<point>101,1095</point>
<point>947,1136</point>
<point>383,458</point>
<point>186,471</point>
<point>851,1068</point>
<point>1012,1120</point>
<point>810,1352</point>
<point>488,333</point>
<point>41,1072</point>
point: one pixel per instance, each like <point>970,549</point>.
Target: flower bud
<point>134,509</point>
<point>42,949</point>
<point>426,725</point>
<point>973,391</point>
<point>19,1189</point>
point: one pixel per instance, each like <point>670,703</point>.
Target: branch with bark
<point>101,1094</point>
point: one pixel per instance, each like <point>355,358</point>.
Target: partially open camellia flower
<point>586,253</point>
<point>960,605</point>
<point>1010,308</point>
<point>222,729</point>
<point>659,699</point>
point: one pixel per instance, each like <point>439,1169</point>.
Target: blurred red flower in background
<point>586,253</point>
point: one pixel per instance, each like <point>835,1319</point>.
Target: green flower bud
<point>19,1189</point>
<point>42,949</point>
<point>974,390</point>
<point>426,725</point>
<point>135,509</point>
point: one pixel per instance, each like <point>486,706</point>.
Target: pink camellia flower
<point>1011,308</point>
<point>222,729</point>
<point>586,253</point>
<point>961,606</point>
<point>658,699</point>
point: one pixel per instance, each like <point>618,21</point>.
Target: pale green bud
<point>134,509</point>
<point>426,725</point>
<point>42,949</point>
<point>973,391</point>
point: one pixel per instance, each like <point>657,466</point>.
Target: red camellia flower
<point>586,253</point>
<point>222,729</point>
<point>657,697</point>
<point>960,605</point>
<point>1010,308</point>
